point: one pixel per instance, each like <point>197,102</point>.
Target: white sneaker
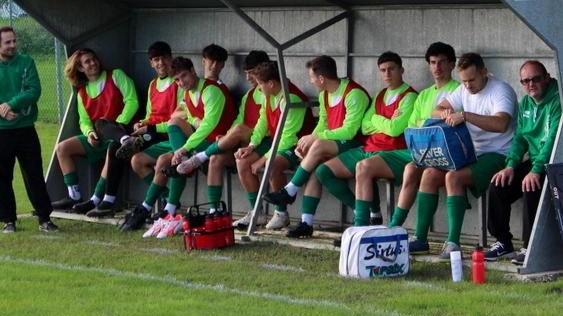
<point>189,165</point>
<point>278,221</point>
<point>172,227</point>
<point>156,227</point>
<point>243,222</point>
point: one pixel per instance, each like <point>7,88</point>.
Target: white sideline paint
<point>282,267</point>
<point>189,285</point>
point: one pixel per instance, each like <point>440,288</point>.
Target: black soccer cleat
<point>280,197</point>
<point>303,230</point>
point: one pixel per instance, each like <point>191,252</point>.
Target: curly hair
<point>77,78</point>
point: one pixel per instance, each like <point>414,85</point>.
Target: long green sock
<point>455,208</point>
<point>309,204</point>
<point>213,149</point>
<point>300,177</point>
<point>425,210</point>
<point>361,213</point>
<point>148,178</point>
<point>281,208</point>
<point>252,197</point>
<point>176,136</point>
<point>70,178</point>
<point>176,186</point>
<point>399,216</point>
<point>100,189</point>
<point>214,193</point>
<point>336,186</point>
<point>153,193</point>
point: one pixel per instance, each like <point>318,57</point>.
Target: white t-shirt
<point>497,96</point>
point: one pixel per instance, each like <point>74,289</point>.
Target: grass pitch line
<point>188,285</point>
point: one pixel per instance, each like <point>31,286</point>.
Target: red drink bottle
<point>478,265</point>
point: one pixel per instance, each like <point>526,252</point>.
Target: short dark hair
<point>180,64</point>
<point>439,48</point>
<point>390,56</point>
<point>6,29</point>
<point>267,71</point>
<point>215,52</point>
<point>254,58</point>
<point>470,59</point>
<point>324,66</point>
<point>159,49</point>
<point>536,63</point>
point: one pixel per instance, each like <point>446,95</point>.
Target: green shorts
<point>165,147</point>
<point>396,160</point>
<point>351,157</point>
<point>483,171</point>
<point>263,147</point>
<point>345,145</point>
<point>158,149</point>
<point>94,154</point>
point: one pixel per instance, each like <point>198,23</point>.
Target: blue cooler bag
<point>438,145</point>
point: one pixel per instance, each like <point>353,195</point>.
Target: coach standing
<point>19,93</point>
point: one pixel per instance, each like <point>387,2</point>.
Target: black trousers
<point>22,144</point>
<point>500,201</point>
<point>111,130</point>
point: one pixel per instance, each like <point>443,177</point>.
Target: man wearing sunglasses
<point>538,120</point>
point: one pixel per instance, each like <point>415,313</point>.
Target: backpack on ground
<point>374,251</point>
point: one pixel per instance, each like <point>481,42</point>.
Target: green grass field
<point>91,269</point>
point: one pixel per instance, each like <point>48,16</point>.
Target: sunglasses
<point>534,79</point>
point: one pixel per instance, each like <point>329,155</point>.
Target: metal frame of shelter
<point>545,252</point>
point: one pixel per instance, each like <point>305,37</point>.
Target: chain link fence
<point>49,56</point>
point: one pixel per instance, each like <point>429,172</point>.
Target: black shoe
<point>103,209</point>
<point>377,219</point>
<point>130,146</point>
<point>279,197</point>
<point>302,230</point>
<point>48,227</point>
<point>135,219</point>
<point>83,207</point>
<point>337,242</point>
<point>9,228</point>
<point>65,204</point>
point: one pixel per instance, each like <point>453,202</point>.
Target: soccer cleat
<point>278,221</point>
<point>83,207</point>
<point>103,209</point>
<point>135,219</point>
<point>418,247</point>
<point>280,197</point>
<point>65,203</point>
<point>302,230</point>
<point>520,257</point>
<point>157,226</point>
<point>376,220</point>
<point>189,165</point>
<point>447,248</point>
<point>130,146</point>
<point>9,228</point>
<point>48,227</point>
<point>172,227</point>
<point>170,171</point>
<point>243,222</point>
<point>498,250</point>
<point>337,242</point>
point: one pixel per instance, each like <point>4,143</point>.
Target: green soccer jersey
<point>427,100</point>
